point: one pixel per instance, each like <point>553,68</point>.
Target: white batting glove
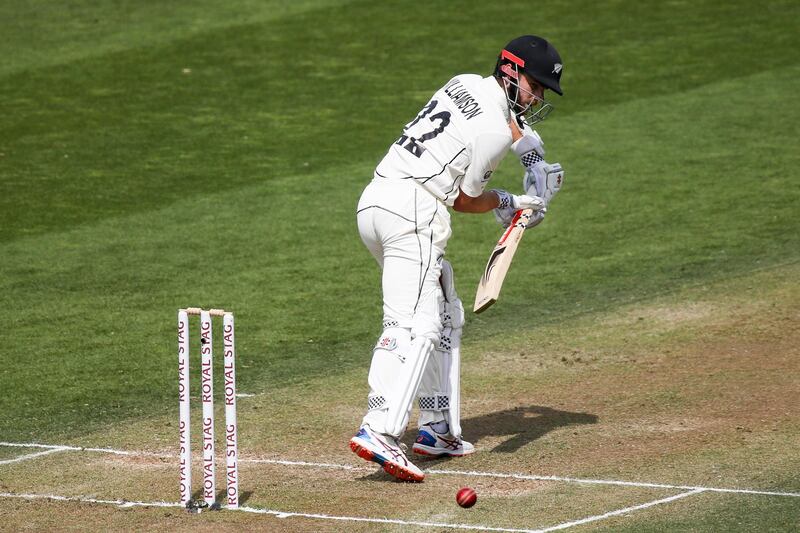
<point>527,130</point>
<point>518,201</point>
<point>543,180</point>
<point>529,148</point>
<point>511,203</point>
<point>505,216</point>
<point>536,219</point>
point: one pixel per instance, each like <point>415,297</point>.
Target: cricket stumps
<point>208,448</point>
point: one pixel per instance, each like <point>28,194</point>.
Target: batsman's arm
<point>496,199</point>
<point>465,203</point>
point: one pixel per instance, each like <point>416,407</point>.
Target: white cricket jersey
<point>455,142</point>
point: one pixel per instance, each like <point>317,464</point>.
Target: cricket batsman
<point>444,158</point>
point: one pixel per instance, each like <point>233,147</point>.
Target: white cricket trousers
<point>406,229</point>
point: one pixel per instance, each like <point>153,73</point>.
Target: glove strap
<point>529,159</point>
<point>506,199</point>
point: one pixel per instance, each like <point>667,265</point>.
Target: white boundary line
<point>284,514</point>
<point>529,477</point>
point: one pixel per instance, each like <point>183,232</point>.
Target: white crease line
<point>315,465</point>
<point>123,452</point>
<point>31,456</point>
<point>618,512</point>
<point>60,447</point>
<point>533,477</point>
<point>30,445</point>
<point>119,503</point>
<point>529,477</point>
<point>256,510</point>
<point>440,525</point>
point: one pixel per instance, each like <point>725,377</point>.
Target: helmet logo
<point>557,68</point>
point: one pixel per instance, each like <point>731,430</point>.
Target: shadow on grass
<point>523,425</point>
<point>222,496</point>
<point>245,496</point>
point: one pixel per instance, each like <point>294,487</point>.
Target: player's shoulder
<point>478,100</point>
<point>468,79</point>
<point>465,82</point>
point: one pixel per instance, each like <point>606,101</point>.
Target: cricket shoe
<point>431,442</point>
<point>385,450</point>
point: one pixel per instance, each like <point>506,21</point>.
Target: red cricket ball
<point>466,497</point>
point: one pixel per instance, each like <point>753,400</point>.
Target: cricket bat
<point>499,261</point>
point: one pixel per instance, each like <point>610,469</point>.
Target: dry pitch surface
<point>673,409</point>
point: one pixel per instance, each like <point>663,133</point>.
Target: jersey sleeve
<point>488,150</point>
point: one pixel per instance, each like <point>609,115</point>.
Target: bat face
<point>499,262</point>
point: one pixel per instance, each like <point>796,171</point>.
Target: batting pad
<point>439,390</point>
<point>397,367</point>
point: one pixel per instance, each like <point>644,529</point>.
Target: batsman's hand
<point>543,180</point>
<point>511,203</point>
<point>505,216</point>
<point>518,201</point>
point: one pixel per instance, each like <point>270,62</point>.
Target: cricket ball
<point>466,497</point>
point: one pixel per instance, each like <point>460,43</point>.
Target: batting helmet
<point>538,59</point>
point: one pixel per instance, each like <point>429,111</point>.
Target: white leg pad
<point>452,376</point>
<point>433,398</point>
<point>440,392</point>
<point>394,377</point>
<point>407,384</point>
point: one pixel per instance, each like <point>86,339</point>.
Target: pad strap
<point>445,343</point>
<point>376,402</point>
<point>437,402</point>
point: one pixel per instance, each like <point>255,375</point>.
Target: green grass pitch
<point>160,155</point>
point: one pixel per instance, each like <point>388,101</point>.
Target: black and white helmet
<point>538,59</point>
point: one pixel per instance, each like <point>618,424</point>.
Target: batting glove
<point>543,180</point>
<point>511,203</point>
<point>529,148</point>
<point>518,201</point>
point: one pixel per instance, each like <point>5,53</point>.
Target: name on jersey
<point>464,101</point>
